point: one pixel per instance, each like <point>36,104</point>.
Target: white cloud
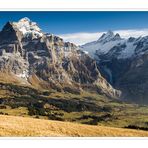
<point>82,38</point>
<point>132,33</point>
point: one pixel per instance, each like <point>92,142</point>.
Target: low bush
<point>136,127</point>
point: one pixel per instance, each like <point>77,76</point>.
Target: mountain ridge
<point>122,63</point>
<point>52,61</point>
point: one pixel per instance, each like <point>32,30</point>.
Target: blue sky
<point>73,23</point>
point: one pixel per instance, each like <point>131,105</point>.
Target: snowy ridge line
<point>113,45</point>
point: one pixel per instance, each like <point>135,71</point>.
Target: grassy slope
<point>23,126</point>
<point>86,108</point>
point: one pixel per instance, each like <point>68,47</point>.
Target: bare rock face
<point>35,57</point>
<point>10,30</point>
<point>134,82</point>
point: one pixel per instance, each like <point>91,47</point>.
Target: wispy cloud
<point>84,37</point>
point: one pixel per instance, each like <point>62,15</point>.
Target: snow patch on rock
<point>27,27</point>
<point>24,74</point>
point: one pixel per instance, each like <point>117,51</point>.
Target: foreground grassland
<point>85,108</point>
<point>23,126</point>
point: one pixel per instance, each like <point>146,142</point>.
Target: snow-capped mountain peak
<point>109,36</point>
<point>27,27</point>
<point>25,19</point>
<point>111,45</point>
<point>103,44</point>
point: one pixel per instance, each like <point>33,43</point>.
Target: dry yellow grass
<point>23,126</point>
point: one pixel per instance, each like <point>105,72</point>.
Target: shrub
<point>136,127</point>
<point>54,117</point>
<point>1,113</point>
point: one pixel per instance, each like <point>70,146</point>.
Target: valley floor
<point>25,126</point>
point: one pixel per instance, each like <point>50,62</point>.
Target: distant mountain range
<point>123,62</point>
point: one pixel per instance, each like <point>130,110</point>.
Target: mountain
<point>123,62</point>
<point>42,60</point>
<point>103,44</point>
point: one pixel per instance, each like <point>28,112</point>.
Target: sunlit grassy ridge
<point>23,126</point>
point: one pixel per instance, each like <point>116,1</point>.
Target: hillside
<point>85,108</point>
<point>19,126</point>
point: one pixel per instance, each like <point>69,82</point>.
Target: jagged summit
<point>27,27</point>
<point>109,36</point>
<point>25,19</point>
<point>103,44</point>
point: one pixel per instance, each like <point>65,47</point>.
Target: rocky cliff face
<point>46,61</point>
<point>123,62</point>
<point>133,82</point>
